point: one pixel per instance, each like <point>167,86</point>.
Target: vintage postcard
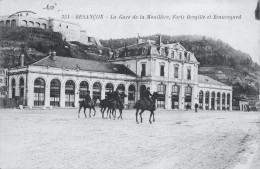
<point>153,84</point>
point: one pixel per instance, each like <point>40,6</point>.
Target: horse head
<point>155,96</point>
<point>123,94</point>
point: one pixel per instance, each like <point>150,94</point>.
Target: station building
<point>168,69</point>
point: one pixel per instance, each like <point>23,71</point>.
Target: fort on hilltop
<point>70,31</point>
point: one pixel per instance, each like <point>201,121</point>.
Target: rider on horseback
<point>147,95</point>
<point>88,98</point>
<point>109,95</point>
<point>116,96</point>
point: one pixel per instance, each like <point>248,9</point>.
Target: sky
<point>242,34</point>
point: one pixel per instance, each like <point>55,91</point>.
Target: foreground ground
<point>31,139</point>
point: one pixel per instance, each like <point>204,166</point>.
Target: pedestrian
<point>196,107</point>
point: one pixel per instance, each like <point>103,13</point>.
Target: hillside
<point>217,59</point>
<point>35,43</point>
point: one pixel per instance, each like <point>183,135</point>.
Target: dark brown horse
<point>116,105</point>
<point>90,105</point>
<point>106,104</point>
<point>112,105</point>
<point>146,105</point>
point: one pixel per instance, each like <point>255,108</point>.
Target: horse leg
<point>151,113</point>
<point>104,109</point>
<point>79,111</point>
<point>114,115</point>
<point>120,111</point>
<point>136,114</point>
<point>141,115</point>
<point>94,111</point>
<point>85,112</point>
<point>109,111</point>
<point>89,112</point>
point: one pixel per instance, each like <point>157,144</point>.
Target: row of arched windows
<point>212,102</point>
<point>23,23</point>
<point>55,90</point>
<point>8,23</point>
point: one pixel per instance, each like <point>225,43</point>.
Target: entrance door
<point>175,101</point>
<point>175,97</point>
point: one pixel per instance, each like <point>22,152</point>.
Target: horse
<point>106,104</point>
<point>146,105</point>
<point>114,104</point>
<point>85,105</point>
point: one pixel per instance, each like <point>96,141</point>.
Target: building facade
<point>172,71</point>
<point>168,69</point>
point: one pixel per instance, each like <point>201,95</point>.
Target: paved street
<point>178,139</point>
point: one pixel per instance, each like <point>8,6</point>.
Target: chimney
<point>22,60</point>
<point>139,39</point>
<point>159,40</point>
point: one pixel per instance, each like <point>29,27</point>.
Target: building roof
<point>208,80</point>
<point>148,48</point>
<point>83,64</point>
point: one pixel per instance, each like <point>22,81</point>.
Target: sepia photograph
<point>129,84</point>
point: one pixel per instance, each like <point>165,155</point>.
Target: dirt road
<point>57,138</point>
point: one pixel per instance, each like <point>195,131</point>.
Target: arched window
<point>7,22</point>
<point>213,100</point>
<point>109,88</point>
<point>55,93</point>
<point>223,101</point>
<point>2,23</point>
<point>21,87</point>
<point>69,93</point>
<point>37,24</point>
<point>175,96</point>
<point>13,22</point>
<point>161,89</point>
<point>218,101</point>
<point>31,23</point>
<point>189,73</point>
<point>97,90</point>
<point>207,100</point>
<point>83,88</point>
<point>13,88</point>
<point>131,94</point>
<point>142,90</point>
<point>188,96</point>
<point>201,99</point>
<point>44,26</point>
<point>39,92</point>
<point>228,101</point>
<point>24,23</point>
